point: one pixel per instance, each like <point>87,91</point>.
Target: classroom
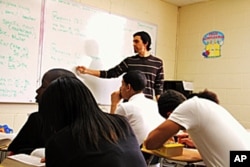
<point>180,44</point>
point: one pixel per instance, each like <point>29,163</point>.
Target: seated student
<point>214,131</point>
<point>85,135</point>
<point>141,112</point>
<point>30,136</point>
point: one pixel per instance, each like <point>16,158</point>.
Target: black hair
<point>136,79</point>
<point>168,101</point>
<point>67,102</point>
<point>145,38</point>
<point>206,94</point>
<point>60,72</point>
<point>49,76</point>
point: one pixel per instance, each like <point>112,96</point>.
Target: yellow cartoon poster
<point>213,42</point>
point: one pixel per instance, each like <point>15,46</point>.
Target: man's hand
<point>85,70</point>
<point>81,69</point>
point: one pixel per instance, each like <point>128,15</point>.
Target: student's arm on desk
<point>161,134</point>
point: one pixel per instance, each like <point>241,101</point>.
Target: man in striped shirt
<point>151,66</point>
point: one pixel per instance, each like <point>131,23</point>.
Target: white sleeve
<point>185,114</point>
<point>120,110</point>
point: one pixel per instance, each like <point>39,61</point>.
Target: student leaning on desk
<point>183,137</point>
<point>214,131</point>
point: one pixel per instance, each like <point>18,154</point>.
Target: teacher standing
<point>144,61</point>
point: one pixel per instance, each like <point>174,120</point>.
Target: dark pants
<point>148,157</point>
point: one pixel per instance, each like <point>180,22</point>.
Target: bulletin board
<point>66,34</point>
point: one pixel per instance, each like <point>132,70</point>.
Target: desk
<point>12,163</point>
<point>188,155</point>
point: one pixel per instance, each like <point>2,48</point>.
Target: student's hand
<point>81,69</point>
<point>183,138</point>
<point>182,135</point>
<point>10,153</point>
<point>43,160</point>
<point>187,141</point>
<point>115,97</point>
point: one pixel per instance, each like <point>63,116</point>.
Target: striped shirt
<point>151,66</point>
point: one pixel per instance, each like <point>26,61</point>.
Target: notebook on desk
<point>24,160</point>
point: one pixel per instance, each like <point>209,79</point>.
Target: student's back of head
<point>168,101</point>
<point>136,79</point>
<point>49,76</point>
<point>54,73</point>
<point>68,102</point>
<point>206,94</point>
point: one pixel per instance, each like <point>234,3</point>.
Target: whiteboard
<point>89,37</point>
<point>19,45</point>
<point>62,34</point>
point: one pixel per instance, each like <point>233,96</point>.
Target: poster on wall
<point>213,42</point>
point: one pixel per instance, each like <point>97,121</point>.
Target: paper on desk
<point>39,152</point>
<point>28,159</point>
<point>192,149</point>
